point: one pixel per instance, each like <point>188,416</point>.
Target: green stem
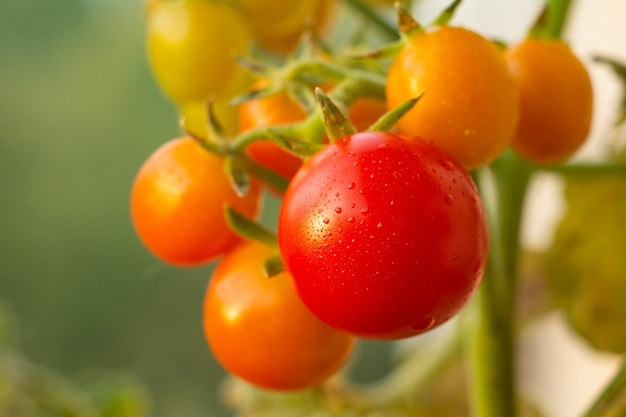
<point>491,335</point>
<point>370,15</point>
<point>557,12</point>
<point>613,396</point>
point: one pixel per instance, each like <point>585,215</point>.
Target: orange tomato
<point>177,204</point>
<point>556,100</point>
<point>274,110</point>
<point>260,331</point>
<point>470,105</point>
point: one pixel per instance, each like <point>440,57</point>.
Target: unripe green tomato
<point>191,46</point>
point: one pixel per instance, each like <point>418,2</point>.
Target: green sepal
<point>294,145</point>
<point>447,14</point>
<point>388,120</point>
<point>408,26</point>
<point>389,51</point>
<point>267,176</point>
<point>255,67</point>
<point>273,265</point>
<point>336,123</point>
<point>238,175</point>
<point>248,228</point>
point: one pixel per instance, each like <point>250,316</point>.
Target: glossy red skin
<point>385,237</point>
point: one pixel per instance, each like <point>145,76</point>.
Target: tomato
<point>385,236</point>
<point>177,204</point>
<point>191,46</point>
<point>274,110</point>
<point>259,330</point>
<point>278,24</point>
<point>556,100</point>
<point>470,106</point>
<point>280,109</point>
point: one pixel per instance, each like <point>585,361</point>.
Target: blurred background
<point>79,113</point>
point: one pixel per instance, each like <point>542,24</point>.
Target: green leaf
<point>586,266</point>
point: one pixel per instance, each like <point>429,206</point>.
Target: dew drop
<point>423,325</point>
<point>326,220</point>
<point>338,210</point>
<point>364,210</point>
<point>351,186</point>
<point>448,199</point>
<point>351,220</point>
<point>446,165</point>
<point>379,225</point>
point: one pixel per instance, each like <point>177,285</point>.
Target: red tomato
<point>177,204</point>
<point>259,330</point>
<point>385,236</point>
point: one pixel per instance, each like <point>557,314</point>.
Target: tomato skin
<point>259,330</point>
<point>191,47</point>
<point>556,100</point>
<point>177,204</point>
<point>385,236</point>
<point>470,105</point>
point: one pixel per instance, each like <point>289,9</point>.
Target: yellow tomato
<point>278,24</point>
<point>192,45</point>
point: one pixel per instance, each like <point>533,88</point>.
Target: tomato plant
<point>177,203</point>
<point>191,46</point>
<point>556,99</point>
<point>280,109</point>
<point>382,232</point>
<point>259,330</point>
<point>469,107</point>
<point>385,236</point>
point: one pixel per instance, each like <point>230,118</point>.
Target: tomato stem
<point>491,337</point>
<point>557,17</point>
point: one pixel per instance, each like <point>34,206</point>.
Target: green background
<point>79,113</point>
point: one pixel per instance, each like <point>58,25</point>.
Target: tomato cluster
<point>381,231</point>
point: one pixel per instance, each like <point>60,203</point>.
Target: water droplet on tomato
<point>446,165</point>
<point>448,199</point>
<point>423,325</point>
<point>351,219</point>
<point>364,210</point>
<point>351,186</point>
<point>379,225</point>
<point>338,210</point>
<point>326,220</point>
